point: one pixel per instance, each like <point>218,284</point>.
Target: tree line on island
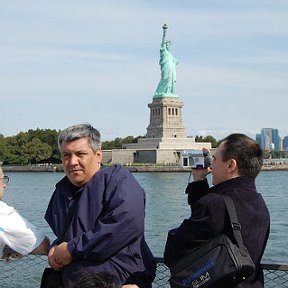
<point>40,146</point>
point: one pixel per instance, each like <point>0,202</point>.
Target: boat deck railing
<point>26,272</point>
<point>275,275</point>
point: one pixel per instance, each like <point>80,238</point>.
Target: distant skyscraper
<point>285,143</point>
<point>258,139</point>
<point>270,139</point>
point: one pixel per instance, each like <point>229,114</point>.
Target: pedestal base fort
<point>164,141</point>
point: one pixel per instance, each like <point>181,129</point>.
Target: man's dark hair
<point>245,151</point>
<point>92,279</point>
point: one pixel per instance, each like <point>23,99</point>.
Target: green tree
<point>49,137</point>
<point>37,151</point>
<point>3,148</point>
<point>14,153</point>
<point>118,142</point>
<point>208,138</point>
<point>27,147</point>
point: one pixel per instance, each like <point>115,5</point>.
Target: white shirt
<point>16,232</point>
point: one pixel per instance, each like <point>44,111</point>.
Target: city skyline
<point>270,139</point>
<point>67,62</point>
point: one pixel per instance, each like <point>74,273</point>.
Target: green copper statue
<point>166,86</point>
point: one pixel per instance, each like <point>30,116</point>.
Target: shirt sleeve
<point>197,190</point>
<point>17,233</point>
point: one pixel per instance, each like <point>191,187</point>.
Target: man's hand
<point>61,254</point>
<point>200,174</point>
<point>52,261</point>
<point>11,256</point>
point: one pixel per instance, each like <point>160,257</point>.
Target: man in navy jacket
<point>236,164</point>
<point>97,215</point>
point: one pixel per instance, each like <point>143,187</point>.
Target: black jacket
<point>209,217</point>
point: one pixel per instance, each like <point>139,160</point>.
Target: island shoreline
<point>132,168</point>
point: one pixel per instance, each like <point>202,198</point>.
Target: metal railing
<point>275,275</point>
<point>26,272</point>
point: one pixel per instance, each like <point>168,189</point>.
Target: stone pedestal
<point>166,118</point>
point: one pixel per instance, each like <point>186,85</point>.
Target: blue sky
<point>68,62</point>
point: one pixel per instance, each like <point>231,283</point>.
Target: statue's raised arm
<point>166,86</point>
<point>164,27</point>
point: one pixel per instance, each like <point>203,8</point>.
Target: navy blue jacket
<point>209,217</point>
<point>107,229</point>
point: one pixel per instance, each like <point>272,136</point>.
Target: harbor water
<point>166,204</point>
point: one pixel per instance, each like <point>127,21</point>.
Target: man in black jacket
<point>235,165</point>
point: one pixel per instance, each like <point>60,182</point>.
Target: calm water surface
<point>166,204</point>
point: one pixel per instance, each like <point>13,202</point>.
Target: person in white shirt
<point>16,233</point>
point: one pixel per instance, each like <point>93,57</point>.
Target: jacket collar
<point>238,182</point>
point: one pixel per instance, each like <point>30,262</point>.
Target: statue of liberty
<point>166,86</point>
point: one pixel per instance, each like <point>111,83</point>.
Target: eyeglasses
<point>5,179</point>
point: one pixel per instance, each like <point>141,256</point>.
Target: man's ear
<point>232,167</point>
<point>99,154</point>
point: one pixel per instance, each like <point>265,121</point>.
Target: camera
<point>196,158</point>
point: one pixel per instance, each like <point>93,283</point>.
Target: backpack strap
<point>236,226</point>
